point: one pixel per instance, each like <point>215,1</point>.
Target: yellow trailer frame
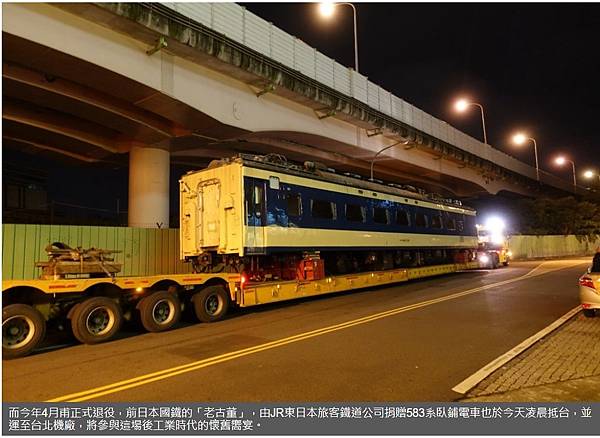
<point>140,283</point>
<point>248,294</point>
<point>253,294</point>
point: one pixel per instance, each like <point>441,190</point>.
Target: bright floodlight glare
<point>588,174</point>
<point>560,161</point>
<point>495,225</point>
<point>461,105</point>
<point>519,138</point>
<point>326,9</point>
<point>498,238</point>
<point>483,258</point>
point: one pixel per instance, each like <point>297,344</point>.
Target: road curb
<point>474,379</point>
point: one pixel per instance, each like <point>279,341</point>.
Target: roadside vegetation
<point>557,216</point>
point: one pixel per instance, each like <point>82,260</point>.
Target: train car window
<point>460,226</point>
<point>294,204</point>
<point>274,182</point>
<point>436,221</point>
<point>380,215</point>
<point>402,218</point>
<point>258,195</point>
<point>450,224</point>
<point>322,209</point>
<point>420,220</point>
<point>355,213</point>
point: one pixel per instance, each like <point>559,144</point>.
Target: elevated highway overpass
<point>187,83</point>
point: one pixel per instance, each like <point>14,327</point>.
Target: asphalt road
<point>409,342</point>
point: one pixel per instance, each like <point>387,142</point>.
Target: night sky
<point>534,67</point>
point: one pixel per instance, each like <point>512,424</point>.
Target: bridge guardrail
<point>246,28</point>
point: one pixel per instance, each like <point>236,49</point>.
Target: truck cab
<point>492,244</point>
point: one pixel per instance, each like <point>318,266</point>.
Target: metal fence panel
<point>444,129</point>
<point>451,132</point>
<point>417,115</point>
<point>145,251</point>
<point>359,86</point>
<point>257,33</point>
<point>372,95</point>
<point>385,101</point>
<point>407,113</point>
<point>304,58</point>
<point>228,18</point>
<point>463,140</point>
<point>324,69</point>
<point>282,47</point>
<point>478,147</point>
<point>427,122</point>
<point>200,12</point>
<point>341,79</point>
<point>396,109</point>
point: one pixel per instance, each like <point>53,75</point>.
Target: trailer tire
<point>589,313</point>
<point>96,320</point>
<point>23,328</point>
<point>159,311</point>
<point>211,303</point>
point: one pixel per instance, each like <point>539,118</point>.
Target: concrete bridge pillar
<point>149,170</point>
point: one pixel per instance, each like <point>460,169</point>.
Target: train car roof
<point>321,172</point>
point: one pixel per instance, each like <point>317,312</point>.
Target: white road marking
<point>203,363</point>
<point>471,381</point>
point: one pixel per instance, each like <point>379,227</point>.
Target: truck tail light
<point>587,282</point>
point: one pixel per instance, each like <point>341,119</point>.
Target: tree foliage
<point>543,216</point>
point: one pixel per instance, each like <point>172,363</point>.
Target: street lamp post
<point>383,150</point>
<point>520,139</point>
<point>327,9</point>
<point>461,106</point>
<point>561,161</point>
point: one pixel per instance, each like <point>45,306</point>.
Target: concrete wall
<point>524,247</point>
<point>145,251</point>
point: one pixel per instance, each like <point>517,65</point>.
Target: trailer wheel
<point>160,311</point>
<point>211,303</point>
<point>96,320</point>
<point>23,328</point>
<point>495,261</point>
<point>589,313</point>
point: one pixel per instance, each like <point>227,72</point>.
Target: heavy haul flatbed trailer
<point>96,307</point>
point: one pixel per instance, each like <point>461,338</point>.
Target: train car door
<point>209,213</point>
<point>256,216</point>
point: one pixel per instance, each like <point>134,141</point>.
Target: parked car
<point>589,293</point>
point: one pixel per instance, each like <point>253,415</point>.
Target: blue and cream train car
<point>252,211</point>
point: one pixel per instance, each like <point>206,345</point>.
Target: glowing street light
<point>561,160</point>
<point>589,174</point>
<point>327,10</point>
<point>461,106</point>
<point>520,139</point>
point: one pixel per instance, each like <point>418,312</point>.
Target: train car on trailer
<point>257,230</point>
<point>271,219</point>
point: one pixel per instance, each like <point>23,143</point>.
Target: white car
<point>589,293</point>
